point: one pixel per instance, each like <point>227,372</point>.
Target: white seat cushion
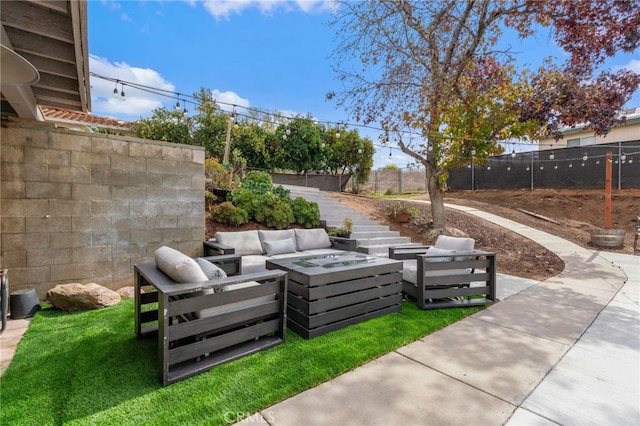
<point>309,239</point>
<point>245,242</point>
<point>232,307</point>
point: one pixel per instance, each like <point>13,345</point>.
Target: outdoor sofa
<point>257,246</point>
<point>204,313</point>
<point>448,274</point>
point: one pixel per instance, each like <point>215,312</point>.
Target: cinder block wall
<point>85,207</point>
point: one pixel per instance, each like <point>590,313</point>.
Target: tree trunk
<point>437,199</point>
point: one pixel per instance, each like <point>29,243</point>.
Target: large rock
<point>81,297</point>
<point>127,292</point>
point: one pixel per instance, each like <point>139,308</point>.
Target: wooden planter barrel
<point>608,237</point>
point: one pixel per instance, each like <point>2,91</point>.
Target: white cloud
<point>228,99</point>
<point>222,9</point>
<point>138,103</point>
<point>633,65</point>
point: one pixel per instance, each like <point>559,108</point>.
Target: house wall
<point>630,131</point>
<point>84,207</point>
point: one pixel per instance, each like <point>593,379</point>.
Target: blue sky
<point>270,54</point>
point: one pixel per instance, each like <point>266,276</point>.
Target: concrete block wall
<point>85,207</point>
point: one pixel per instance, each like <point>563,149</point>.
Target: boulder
<point>126,292</point>
<point>81,297</point>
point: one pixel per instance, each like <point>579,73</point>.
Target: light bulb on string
<point>389,153</point>
<point>541,167</point>
<point>552,156</point>
<point>115,90</point>
<point>123,97</point>
<point>488,167</point>
<point>555,166</point>
<point>185,113</point>
<point>585,157</point>
<point>473,152</point>
<point>630,160</point>
<point>513,154</point>
<point>597,161</point>
<point>509,168</point>
<point>582,164</point>
<point>570,165</point>
<point>528,168</point>
<point>623,157</point>
<point>177,108</point>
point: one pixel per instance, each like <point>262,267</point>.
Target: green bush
<point>258,182</point>
<point>273,211</point>
<point>281,192</point>
<point>306,213</point>
<point>229,214</point>
<point>245,199</point>
<point>218,175</point>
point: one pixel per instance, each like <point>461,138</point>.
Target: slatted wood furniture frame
<point>238,322</point>
<point>468,278</point>
<point>326,298</point>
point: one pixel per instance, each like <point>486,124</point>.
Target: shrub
<point>245,199</point>
<point>219,176</point>
<point>281,192</point>
<point>306,213</point>
<point>229,214</point>
<point>258,182</point>
<point>273,211</point>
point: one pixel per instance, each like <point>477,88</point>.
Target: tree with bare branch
<point>434,67</point>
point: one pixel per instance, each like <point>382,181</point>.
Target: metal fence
<point>579,167</point>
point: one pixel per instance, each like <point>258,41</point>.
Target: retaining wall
<point>85,207</point>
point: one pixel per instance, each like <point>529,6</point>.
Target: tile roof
<point>68,116</point>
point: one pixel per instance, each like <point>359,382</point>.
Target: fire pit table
<point>329,292</point>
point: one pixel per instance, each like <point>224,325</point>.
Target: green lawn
<point>89,368</point>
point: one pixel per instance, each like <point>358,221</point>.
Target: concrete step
<point>371,236</point>
<point>374,234</point>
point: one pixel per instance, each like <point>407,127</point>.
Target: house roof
<point>52,36</point>
<point>62,115</point>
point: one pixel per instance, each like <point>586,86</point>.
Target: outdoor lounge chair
<point>448,274</point>
<point>202,324</point>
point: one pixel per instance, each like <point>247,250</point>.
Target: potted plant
<point>402,211</point>
<point>345,230</point>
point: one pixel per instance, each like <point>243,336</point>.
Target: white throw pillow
<point>213,272</point>
<point>308,239</point>
<point>275,234</point>
<point>279,247</point>
<point>180,267</point>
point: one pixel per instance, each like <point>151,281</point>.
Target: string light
<point>383,138</point>
<point>185,113</point>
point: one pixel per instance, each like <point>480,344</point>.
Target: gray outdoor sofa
<point>257,246</point>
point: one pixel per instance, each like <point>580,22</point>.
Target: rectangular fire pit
<point>328,292</point>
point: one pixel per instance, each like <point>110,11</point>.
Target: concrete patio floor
<point>564,351</point>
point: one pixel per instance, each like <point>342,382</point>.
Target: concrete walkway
<point>564,351</point>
